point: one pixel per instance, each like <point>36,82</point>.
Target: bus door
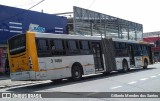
<point>131,54</point>
<point>138,55</point>
<point>97,54</point>
<point>150,54</point>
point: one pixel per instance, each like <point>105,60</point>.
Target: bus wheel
<point>145,64</point>
<point>76,73</point>
<point>125,66</point>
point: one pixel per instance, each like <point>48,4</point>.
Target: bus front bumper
<point>23,76</point>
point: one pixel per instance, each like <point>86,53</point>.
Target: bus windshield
<point>17,44</point>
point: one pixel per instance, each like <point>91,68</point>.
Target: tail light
<point>30,63</point>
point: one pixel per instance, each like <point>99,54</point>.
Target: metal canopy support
<point>88,22</point>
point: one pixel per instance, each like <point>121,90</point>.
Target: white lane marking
<point>116,87</point>
<point>144,79</point>
<point>133,82</point>
<point>153,76</point>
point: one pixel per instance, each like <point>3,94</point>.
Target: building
<point>16,21</point>
<point>151,36</point>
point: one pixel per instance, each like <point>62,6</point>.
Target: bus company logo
<point>6,95</point>
<point>36,28</point>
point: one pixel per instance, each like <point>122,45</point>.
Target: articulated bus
<point>44,56</point>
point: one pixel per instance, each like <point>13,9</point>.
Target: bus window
<point>120,49</point>
<point>123,45</point>
<point>72,47</point>
<point>137,50</point>
<point>123,49</point>
<point>17,44</point>
<point>52,44</point>
<point>144,50</point>
<point>57,47</point>
<point>43,47</point>
<point>116,44</point>
<point>84,47</point>
<point>117,49</point>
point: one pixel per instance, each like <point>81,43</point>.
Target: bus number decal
<point>51,60</point>
<point>58,60</point>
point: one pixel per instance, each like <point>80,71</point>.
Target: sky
<point>145,12</point>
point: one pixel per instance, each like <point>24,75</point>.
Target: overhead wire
<point>27,3</point>
<point>23,11</point>
<point>91,4</point>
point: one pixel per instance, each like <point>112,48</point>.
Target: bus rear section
<point>20,59</point>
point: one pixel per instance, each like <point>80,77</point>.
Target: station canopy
<point>87,22</point>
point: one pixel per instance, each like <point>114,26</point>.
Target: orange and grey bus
<point>45,56</point>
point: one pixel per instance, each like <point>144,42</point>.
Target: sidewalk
<point>4,76</point>
<point>5,81</point>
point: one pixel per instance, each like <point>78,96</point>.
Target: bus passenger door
<point>131,55</point>
<point>150,54</point>
<point>97,55</point>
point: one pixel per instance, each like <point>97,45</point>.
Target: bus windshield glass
<point>17,44</point>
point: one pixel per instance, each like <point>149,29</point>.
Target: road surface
<point>136,80</point>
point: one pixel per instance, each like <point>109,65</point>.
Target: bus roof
<point>65,36</point>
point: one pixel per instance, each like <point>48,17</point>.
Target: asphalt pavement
<point>136,80</point>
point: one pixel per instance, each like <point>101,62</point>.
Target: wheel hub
<point>77,73</point>
<point>145,64</point>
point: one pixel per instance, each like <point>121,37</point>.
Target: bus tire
<point>76,72</point>
<point>125,66</point>
<point>145,64</point>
